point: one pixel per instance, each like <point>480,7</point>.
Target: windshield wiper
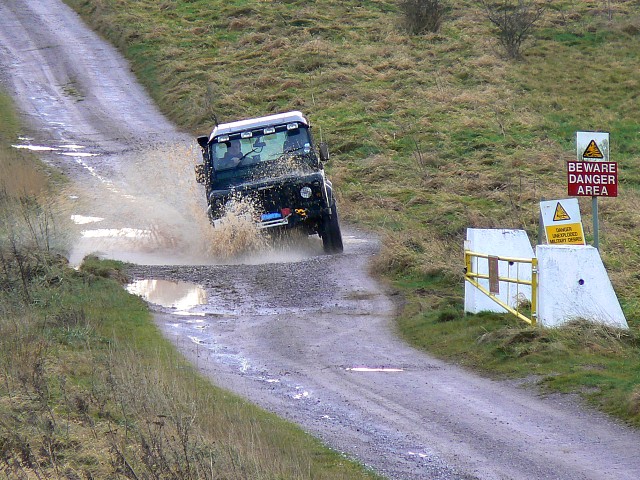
<point>291,150</point>
<point>246,154</point>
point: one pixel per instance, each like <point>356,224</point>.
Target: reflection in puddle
<point>374,369</point>
<point>36,148</point>
<point>81,219</point>
<point>79,154</point>
<point>197,341</point>
<point>350,239</point>
<point>67,150</point>
<point>117,233</point>
<point>72,147</point>
<point>70,150</point>
<point>301,395</point>
<point>178,295</point>
<point>418,454</point>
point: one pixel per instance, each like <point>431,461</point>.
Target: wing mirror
<point>324,151</point>
<point>201,176</point>
<point>203,141</point>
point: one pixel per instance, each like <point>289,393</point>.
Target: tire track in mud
<point>305,335</point>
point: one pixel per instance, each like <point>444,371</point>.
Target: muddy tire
<point>331,235</point>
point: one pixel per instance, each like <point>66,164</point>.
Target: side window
<point>219,150</point>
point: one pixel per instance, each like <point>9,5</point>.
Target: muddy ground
<point>303,334</point>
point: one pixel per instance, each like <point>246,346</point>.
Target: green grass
<point>9,123</point>
<point>431,134</point>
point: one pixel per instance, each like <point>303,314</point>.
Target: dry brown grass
<point>19,176</point>
<point>634,401</point>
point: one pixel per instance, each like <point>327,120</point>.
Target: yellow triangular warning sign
<point>592,151</point>
<point>561,214</point>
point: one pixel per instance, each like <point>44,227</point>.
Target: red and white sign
<point>592,179</point>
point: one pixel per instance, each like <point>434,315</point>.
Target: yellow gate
<point>472,276</point>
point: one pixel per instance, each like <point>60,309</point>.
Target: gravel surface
<point>306,335</point>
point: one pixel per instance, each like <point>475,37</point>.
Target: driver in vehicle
<point>231,158</point>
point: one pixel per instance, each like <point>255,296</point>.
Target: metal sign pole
<point>593,173</point>
<point>540,225</point>
<point>596,236</point>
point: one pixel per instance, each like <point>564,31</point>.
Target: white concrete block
<point>504,243</point>
<point>573,284</point>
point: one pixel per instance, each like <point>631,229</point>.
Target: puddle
<point>181,296</point>
<point>117,233</point>
<point>417,454</point>
<point>374,369</point>
<point>36,148</point>
<point>79,154</point>
<point>353,240</point>
<point>82,219</point>
<point>72,146</point>
<point>67,150</point>
<point>302,394</point>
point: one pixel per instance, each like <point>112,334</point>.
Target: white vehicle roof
<point>260,122</point>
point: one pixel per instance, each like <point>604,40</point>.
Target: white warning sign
<point>562,222</point>
<point>592,146</point>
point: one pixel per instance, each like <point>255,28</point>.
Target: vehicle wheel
<point>331,235</point>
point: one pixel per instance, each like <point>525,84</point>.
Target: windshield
<point>263,155</point>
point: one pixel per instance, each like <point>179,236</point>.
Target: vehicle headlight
<point>305,192</point>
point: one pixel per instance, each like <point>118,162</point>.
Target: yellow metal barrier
<point>494,278</point>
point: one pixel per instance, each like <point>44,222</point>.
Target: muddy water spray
<point>152,211</point>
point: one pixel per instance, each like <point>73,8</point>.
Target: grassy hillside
<point>431,134</point>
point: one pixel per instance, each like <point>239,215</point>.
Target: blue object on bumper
<point>270,216</point>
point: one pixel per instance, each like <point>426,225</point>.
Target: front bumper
<point>278,222</point>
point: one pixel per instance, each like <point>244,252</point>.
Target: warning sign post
<point>562,222</point>
<point>592,179</point>
<point>592,175</point>
<point>592,146</point>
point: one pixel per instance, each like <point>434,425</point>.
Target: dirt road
<point>303,334</point>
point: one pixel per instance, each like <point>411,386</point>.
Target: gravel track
<point>308,336</point>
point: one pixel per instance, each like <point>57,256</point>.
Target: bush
<point>422,16</point>
<point>514,22</point>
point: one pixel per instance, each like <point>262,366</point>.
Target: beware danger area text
<point>587,178</point>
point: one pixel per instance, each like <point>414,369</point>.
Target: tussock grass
<point>431,134</point>
<point>19,173</point>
